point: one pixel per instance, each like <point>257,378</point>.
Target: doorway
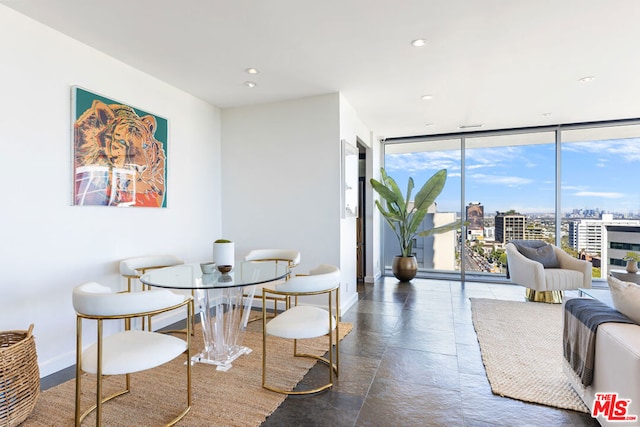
<point>360,220</point>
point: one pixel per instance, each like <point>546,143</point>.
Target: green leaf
<point>409,190</point>
<point>416,220</point>
<point>384,192</point>
<point>391,185</point>
<point>430,190</point>
<point>441,229</point>
<point>404,223</point>
<point>391,215</point>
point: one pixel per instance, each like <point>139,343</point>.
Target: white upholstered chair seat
<point>289,256</point>
<point>126,351</point>
<point>301,322</point>
<point>546,284</point>
<point>132,351</point>
<point>305,321</point>
<point>94,299</point>
<point>135,266</point>
<point>557,279</point>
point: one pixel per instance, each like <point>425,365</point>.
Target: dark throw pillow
<point>545,255</point>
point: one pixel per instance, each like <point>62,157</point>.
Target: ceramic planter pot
<point>404,268</point>
<point>632,266</point>
<point>224,253</point>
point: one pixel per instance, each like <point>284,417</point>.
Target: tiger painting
<point>117,159</point>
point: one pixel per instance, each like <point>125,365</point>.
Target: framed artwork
<point>349,180</point>
<point>119,153</point>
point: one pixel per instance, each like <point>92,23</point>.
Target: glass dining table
<point>219,298</point>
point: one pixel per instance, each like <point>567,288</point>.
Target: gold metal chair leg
<point>97,407</point>
<point>333,368</point>
<point>552,297</point>
<point>333,359</point>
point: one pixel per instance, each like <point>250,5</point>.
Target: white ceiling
<point>500,63</point>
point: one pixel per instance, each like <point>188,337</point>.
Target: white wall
<point>48,246</point>
<point>354,131</point>
<point>281,183</point>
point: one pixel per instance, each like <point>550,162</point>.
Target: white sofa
<point>616,369</point>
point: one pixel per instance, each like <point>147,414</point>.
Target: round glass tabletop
<point>190,276</point>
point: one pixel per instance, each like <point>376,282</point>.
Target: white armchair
<point>301,321</point>
<point>133,268</point>
<point>127,351</point>
<point>545,284</point>
<point>289,256</point>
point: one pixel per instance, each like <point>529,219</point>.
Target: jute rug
<point>232,398</point>
<point>521,345</point>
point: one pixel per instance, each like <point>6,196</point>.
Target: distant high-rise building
<point>618,240</point>
<point>573,234</point>
<point>475,217</point>
<point>534,232</point>
<point>589,233</point>
<point>509,226</point>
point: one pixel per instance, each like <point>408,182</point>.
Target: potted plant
<point>632,259</point>
<point>405,217</point>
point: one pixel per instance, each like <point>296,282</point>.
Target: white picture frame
<point>349,180</point>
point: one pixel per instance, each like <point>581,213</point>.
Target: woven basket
<point>19,376</point>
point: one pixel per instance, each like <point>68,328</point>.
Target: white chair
<point>133,268</point>
<point>305,321</point>
<point>289,256</point>
<point>546,284</point>
<point>127,351</point>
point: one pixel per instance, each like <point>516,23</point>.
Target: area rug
<point>521,346</point>
<point>232,398</point>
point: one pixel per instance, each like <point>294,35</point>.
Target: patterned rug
<point>521,345</point>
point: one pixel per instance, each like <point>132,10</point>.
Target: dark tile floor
<point>412,359</point>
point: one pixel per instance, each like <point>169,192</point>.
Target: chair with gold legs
<point>289,256</point>
<point>132,268</point>
<point>128,351</point>
<point>300,321</point>
<point>545,270</point>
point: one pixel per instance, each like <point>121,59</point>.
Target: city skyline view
<point>595,175</point>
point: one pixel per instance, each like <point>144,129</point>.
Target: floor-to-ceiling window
<point>566,184</point>
<point>509,194</point>
<point>441,252</point>
<point>598,189</point>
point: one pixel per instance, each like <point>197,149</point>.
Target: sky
<point>594,175</point>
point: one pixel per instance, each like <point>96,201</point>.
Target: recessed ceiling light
<point>470,126</point>
<point>418,42</point>
<point>252,71</point>
<point>426,97</point>
<point>546,114</point>
<point>250,84</point>
<point>587,79</point>
<point>428,125</point>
